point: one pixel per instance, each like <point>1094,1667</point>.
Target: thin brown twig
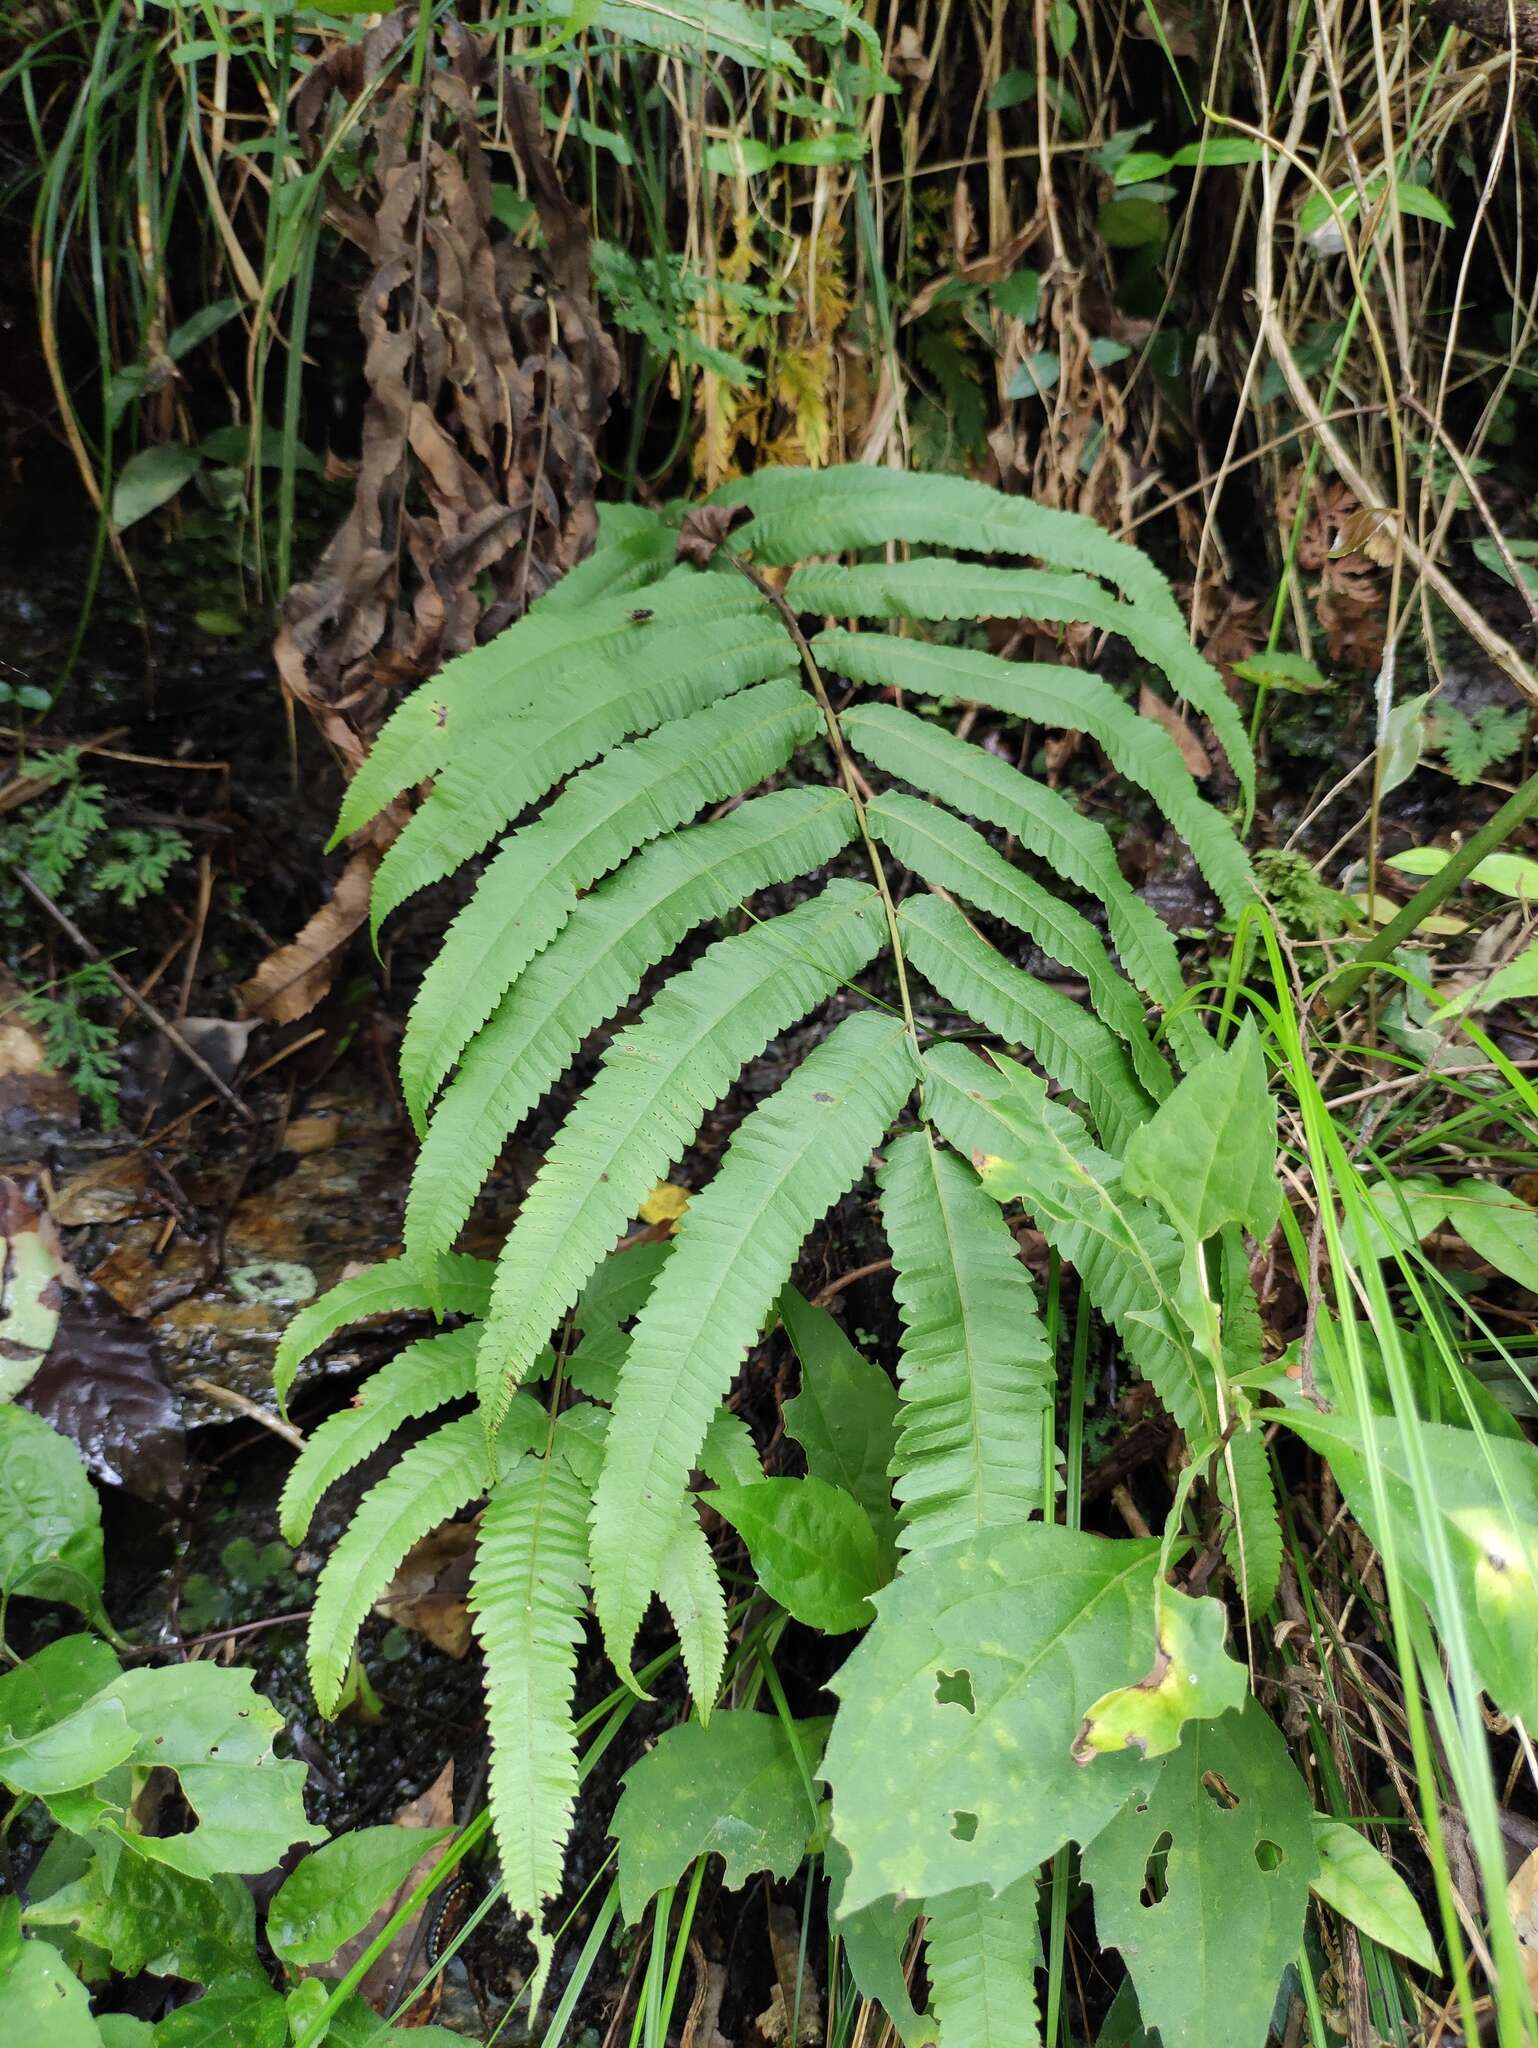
<point>126,989</point>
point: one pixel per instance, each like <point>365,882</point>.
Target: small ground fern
<point>686,717</point>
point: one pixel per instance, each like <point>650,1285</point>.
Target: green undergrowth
<point>1028,1718</point>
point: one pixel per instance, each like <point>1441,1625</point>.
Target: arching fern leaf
<point>528,1595</point>
<point>982,1951</point>
<point>530,889</point>
<point>391,1288</point>
<point>975,1371</point>
<point>657,1081</point>
<point>787,1164</point>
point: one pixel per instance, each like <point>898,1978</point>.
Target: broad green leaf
<point>148,1917</point>
<point>121,2030</point>
<point>1510,874</point>
<point>875,1942</point>
<point>1208,1154</point>
<point>53,1682</point>
<point>239,2012</point>
<point>1515,982</point>
<point>1484,1492</point>
<point>1399,1214</point>
<point>337,1889</point>
<point>151,479</point>
<point>50,1519</point>
<point>812,1546</point>
<point>982,1951</point>
<point>44,2002</point>
<point>73,1752</point>
<point>845,1416</point>
<point>1193,1677</point>
<point>1360,1884</point>
<point>1279,670</point>
<point>1495,1222</point>
<point>951,1758</point>
<point>1215,150</point>
<point>205,1722</point>
<point>733,1787</point>
<point>1222,1842</point>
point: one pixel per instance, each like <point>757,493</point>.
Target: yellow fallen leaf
<point>1522,1904</point>
<point>665,1204</point>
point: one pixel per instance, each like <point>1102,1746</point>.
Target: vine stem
<point>848,774</point>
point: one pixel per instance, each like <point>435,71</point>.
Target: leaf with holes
<point>1208,1866</point>
<point>951,1758</point>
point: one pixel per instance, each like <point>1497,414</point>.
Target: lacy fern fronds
<point>822,825</point>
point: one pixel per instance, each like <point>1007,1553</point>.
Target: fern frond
<point>391,1288</point>
<point>509,763</point>
<point>528,1594</point>
<point>935,587</point>
<point>512,677</point>
<point>425,1376</point>
<point>690,1589</point>
<point>947,853</point>
<point>787,1163</point>
<point>635,547</point>
<point>1253,1542</point>
<point>982,1951</point>
<point>798,513</point>
<point>1072,701</point>
<point>651,1094</point>
<point>1073,1045</point>
<point>1047,825</point>
<point>1126,1255</point>
<point>530,889</point>
<point>975,1370</point>
<point>1253,1545</point>
<point>596,963</point>
<point>433,1480</point>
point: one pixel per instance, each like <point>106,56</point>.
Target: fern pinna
<point>811,811</point>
